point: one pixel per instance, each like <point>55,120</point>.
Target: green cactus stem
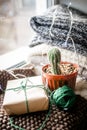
<point>54,57</point>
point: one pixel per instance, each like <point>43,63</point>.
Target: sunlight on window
<point>15,30</point>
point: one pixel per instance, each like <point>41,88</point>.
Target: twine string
<point>24,87</point>
<point>64,97</point>
<point>13,125</point>
<point>71,23</point>
<point>18,89</point>
<point>16,76</point>
<point>69,32</point>
<point>52,100</point>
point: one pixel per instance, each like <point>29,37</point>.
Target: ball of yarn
<point>64,97</point>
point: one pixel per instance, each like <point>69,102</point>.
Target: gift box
<point>25,95</point>
<point>5,75</point>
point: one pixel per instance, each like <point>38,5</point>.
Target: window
<point>15,30</point>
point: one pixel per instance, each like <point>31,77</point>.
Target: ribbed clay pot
<point>55,81</point>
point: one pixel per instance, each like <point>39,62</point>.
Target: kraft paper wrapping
<point>15,101</point>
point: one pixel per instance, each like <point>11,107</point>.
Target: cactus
<point>54,57</point>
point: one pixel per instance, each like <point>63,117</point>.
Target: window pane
<point>31,4</point>
<point>15,30</point>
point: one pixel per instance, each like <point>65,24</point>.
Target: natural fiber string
<point>43,124</point>
<point>58,100</point>
<point>75,51</point>
<point>47,116</point>
<point>11,122</point>
<point>50,30</point>
<point>13,125</point>
<point>24,87</point>
<point>71,23</point>
<point>53,21</point>
<point>68,34</point>
<point>14,75</point>
<point>64,97</point>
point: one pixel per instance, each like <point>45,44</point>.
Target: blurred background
<point>15,30</point>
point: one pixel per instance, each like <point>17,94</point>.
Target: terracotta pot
<point>55,81</point>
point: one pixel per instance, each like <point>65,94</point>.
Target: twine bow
<point>55,97</point>
<point>23,86</point>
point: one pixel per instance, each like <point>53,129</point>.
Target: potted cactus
<point>57,73</point>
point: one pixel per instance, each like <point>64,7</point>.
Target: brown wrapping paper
<point>15,101</point>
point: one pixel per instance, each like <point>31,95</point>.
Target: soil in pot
<point>66,69</point>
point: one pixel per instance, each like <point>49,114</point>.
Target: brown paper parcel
<point>15,101</point>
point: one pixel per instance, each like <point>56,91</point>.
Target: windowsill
<point>14,58</point>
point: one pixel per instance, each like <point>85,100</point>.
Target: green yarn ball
<point>64,97</point>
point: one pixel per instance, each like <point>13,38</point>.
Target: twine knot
<point>64,97</point>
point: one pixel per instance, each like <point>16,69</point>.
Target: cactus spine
<point>54,57</point>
